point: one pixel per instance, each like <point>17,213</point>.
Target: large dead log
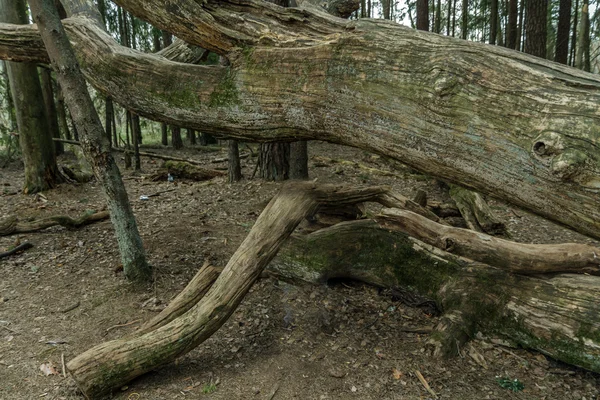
<point>558,316</point>
<point>500,122</point>
<point>11,225</point>
<point>112,364</point>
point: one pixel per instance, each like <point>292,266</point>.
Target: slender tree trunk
<point>449,17</point>
<point>9,101</point>
<point>385,6</point>
<point>191,136</point>
<point>299,160</point>
<point>493,21</point>
<point>94,142</point>
<point>41,172</point>
<point>274,161</point>
<point>573,51</point>
<point>511,28</point>
<point>536,27</point>
<point>114,124</point>
<point>465,19</point>
<point>561,54</point>
<point>234,170</point>
<point>127,128</point>
<point>108,119</point>
<point>48,93</point>
<point>520,28</point>
<point>453,18</point>
<point>363,9</point>
<point>62,113</point>
<point>583,43</point>
<point>438,17</point>
<point>164,134</point>
<point>176,137</point>
<point>135,134</point>
<point>423,15</point>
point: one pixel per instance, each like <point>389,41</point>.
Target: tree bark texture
<point>48,93</point>
<point>234,169</point>
<point>496,121</point>
<point>464,27</point>
<point>12,226</point>
<point>423,15</point>
<point>536,27</point>
<point>35,137</point>
<point>493,21</point>
<point>274,161</point>
<point>176,139</point>
<point>582,60</point>
<point>561,54</point>
<point>299,160</point>
<point>135,135</point>
<point>190,136</point>
<point>557,316</point>
<point>93,140</point>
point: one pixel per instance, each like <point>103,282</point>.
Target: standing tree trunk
<point>423,15</point>
<point>48,93</point>
<point>206,139</point>
<point>573,51</point>
<point>61,110</point>
<point>453,18</point>
<point>191,136</point>
<point>135,135</point>
<point>465,19</point>
<point>449,17</point>
<point>9,101</point>
<point>583,43</point>
<point>176,140</point>
<point>299,160</point>
<point>108,121</point>
<point>37,147</point>
<point>536,27</point>
<point>93,140</point>
<point>561,54</point>
<point>520,30</point>
<point>438,17</point>
<point>274,161</point>
<point>234,170</point>
<point>493,21</point>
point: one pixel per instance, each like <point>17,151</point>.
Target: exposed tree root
<point>11,225</point>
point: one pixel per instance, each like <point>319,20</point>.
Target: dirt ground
<point>345,340</point>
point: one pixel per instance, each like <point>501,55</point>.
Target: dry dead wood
<point>184,170</point>
<point>16,249</point>
<point>11,225</point>
<point>475,210</point>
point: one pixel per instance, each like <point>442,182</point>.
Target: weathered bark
<point>536,27</point>
<point>61,109</point>
<point>12,226</point>
<point>234,169</point>
<point>299,160</point>
<point>493,21</point>
<point>274,161</point>
<point>176,140</point>
<point>477,117</point>
<point>561,54</point>
<point>48,93</point>
<point>573,50</point>
<point>464,19</point>
<point>476,212</point>
<point>112,364</point>
<point>423,15</point>
<point>582,60</point>
<point>190,135</point>
<point>35,138</point>
<point>94,142</point>
<point>557,316</point>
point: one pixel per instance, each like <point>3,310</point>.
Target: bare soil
<point>286,341</point>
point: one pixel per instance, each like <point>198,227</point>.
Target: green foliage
<point>511,384</point>
<point>209,388</point>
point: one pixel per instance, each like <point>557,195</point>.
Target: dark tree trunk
<point>363,9</point>
<point>191,136</point>
<point>561,54</point>
<point>449,17</point>
<point>127,128</point>
<point>583,43</point>
<point>274,161</point>
<point>493,21</point>
<point>206,139</point>
<point>423,15</point>
<point>108,121</point>
<point>94,142</point>
<point>536,27</point>
<point>465,19</point>
<point>135,135</point>
<point>299,160</point>
<point>438,17</point>
<point>62,113</point>
<point>574,36</point>
<point>385,6</point>
<point>176,140</point>
<point>164,134</point>
<point>41,172</point>
<point>453,18</point>
<point>234,170</point>
<point>511,28</point>
<point>48,93</point>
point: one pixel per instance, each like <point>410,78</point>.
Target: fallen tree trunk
<point>557,316</point>
<point>112,364</point>
<point>184,170</point>
<point>496,121</point>
<point>12,226</point>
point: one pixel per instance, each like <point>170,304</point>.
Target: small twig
<point>424,330</point>
<point>21,247</point>
<point>70,308</point>
<point>122,325</point>
<point>161,192</point>
<point>64,368</point>
<point>272,392</point>
<point>425,384</point>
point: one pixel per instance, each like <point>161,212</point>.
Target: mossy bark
<point>558,316</point>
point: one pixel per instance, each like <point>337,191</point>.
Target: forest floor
<point>66,294</point>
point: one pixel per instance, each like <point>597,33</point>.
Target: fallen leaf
<point>397,374</point>
<point>48,369</point>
